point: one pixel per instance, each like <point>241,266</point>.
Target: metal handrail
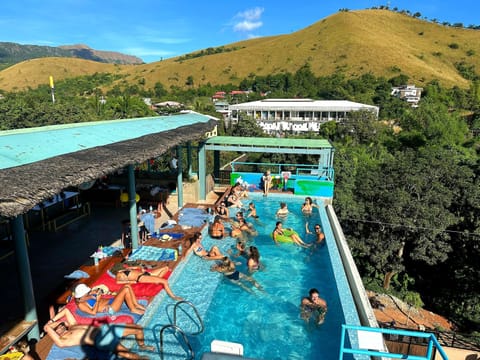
<point>185,339</point>
<point>432,344</point>
<point>196,313</point>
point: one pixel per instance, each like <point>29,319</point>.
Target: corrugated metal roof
<point>26,146</point>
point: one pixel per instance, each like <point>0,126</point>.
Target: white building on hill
<point>296,115</point>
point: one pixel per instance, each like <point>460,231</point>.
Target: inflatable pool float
<point>286,237</point>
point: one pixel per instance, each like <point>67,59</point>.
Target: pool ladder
<point>179,330</point>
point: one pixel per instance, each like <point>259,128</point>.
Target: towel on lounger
<point>152,253</point>
<point>193,217</point>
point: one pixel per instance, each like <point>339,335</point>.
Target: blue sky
<point>153,30</point>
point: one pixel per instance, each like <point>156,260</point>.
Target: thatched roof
<point>22,187</point>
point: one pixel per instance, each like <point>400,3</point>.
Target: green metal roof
<point>272,145</point>
<point>26,146</point>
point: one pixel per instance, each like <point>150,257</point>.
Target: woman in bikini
<point>253,262</point>
<point>93,302</point>
<point>280,232</point>
<point>223,211</point>
<point>197,247</point>
<point>138,274</point>
<point>308,205</point>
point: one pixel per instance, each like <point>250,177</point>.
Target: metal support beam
<point>132,204</point>
<point>179,176</point>
<point>189,159</point>
<point>202,173</point>
<point>23,263</point>
<point>216,165</point>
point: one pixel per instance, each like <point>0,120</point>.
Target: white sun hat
<point>166,237</point>
<point>81,290</point>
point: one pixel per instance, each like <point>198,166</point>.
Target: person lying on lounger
<point>137,274</point>
<point>65,332</point>
<point>93,302</point>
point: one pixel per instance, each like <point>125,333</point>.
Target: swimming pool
<point>266,323</point>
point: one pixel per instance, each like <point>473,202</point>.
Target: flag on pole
<point>52,87</point>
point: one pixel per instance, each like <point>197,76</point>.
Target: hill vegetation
<point>380,42</point>
<point>12,53</point>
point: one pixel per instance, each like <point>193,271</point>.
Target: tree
<point>247,127</point>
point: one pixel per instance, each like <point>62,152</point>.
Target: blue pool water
<point>267,323</point>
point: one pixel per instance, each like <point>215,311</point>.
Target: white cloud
<point>251,14</point>
<point>248,20</point>
<point>247,25</point>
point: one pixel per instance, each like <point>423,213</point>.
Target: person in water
<point>313,307</point>
<point>197,247</point>
<point>293,236</point>
<point>319,235</point>
<point>308,205</point>
<point>228,269</point>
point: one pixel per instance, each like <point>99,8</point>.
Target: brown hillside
<point>32,73</point>
<point>382,42</point>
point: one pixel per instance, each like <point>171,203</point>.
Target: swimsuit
<point>92,302</point>
<point>126,272</point>
<point>144,274</point>
<point>233,276</point>
<point>108,337</point>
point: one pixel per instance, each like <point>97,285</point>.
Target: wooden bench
<point>69,217</point>
<point>95,271</point>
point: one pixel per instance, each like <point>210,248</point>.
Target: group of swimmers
<point>313,308</point>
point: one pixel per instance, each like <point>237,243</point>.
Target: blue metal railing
<point>380,350</point>
<point>296,169</point>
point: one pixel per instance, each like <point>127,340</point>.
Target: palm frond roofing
<point>38,163</point>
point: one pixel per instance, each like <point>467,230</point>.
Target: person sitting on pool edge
<point>222,211</point>
<point>65,332</point>
<point>138,274</point>
<point>228,269</point>
<point>197,247</point>
<point>93,302</point>
<point>286,235</point>
<point>314,307</point>
<point>217,229</point>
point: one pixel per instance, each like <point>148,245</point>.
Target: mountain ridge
<point>12,53</point>
<point>380,42</point>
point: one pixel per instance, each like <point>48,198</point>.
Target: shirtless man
<point>314,307</point>
<point>319,235</point>
<point>106,337</point>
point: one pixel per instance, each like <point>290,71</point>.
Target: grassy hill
<point>382,42</point>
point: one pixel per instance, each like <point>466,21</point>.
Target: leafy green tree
<point>247,127</point>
